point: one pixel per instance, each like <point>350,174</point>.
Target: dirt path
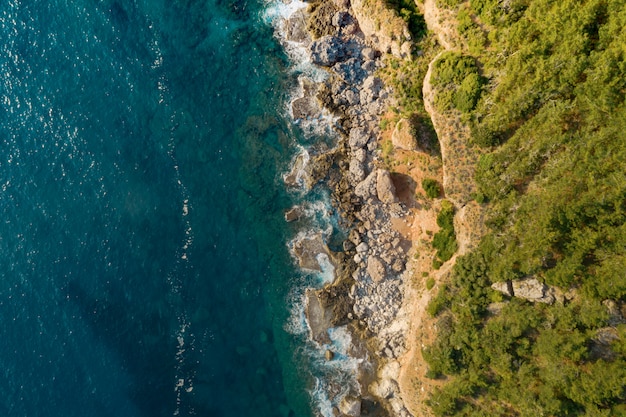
<point>458,167</point>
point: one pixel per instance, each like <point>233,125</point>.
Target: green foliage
<point>444,240</point>
<point>430,283</point>
<point>439,302</point>
<point>458,82</point>
<point>544,92</point>
<point>431,187</point>
<point>407,10</point>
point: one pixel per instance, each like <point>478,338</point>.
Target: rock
<point>297,175</point>
<point>385,190</point>
<point>318,318</point>
<point>369,66</point>
<point>505,287</point>
<point>352,98</point>
<point>402,136</point>
<point>358,138</point>
<point>350,71</point>
<point>532,290</point>
<point>360,155</point>
<point>362,247</point>
<point>329,355</point>
<point>385,388</point>
<point>366,189</point>
<point>342,19</point>
<point>371,89</point>
<point>357,171</point>
<point>295,27</point>
<point>368,54</point>
<point>307,249</point>
<point>528,288</point>
<point>350,406</point>
<point>376,268</point>
<point>329,50</point>
<point>293,214</point>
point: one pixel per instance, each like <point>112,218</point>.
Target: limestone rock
<point>350,71</point>
<point>532,290</point>
<point>358,138</point>
<point>307,250</point>
<point>357,171</point>
<point>372,87</point>
<point>528,288</point>
<point>350,406</point>
<point>385,190</point>
<point>319,318</point>
<point>329,355</point>
<point>402,137</point>
<point>505,287</point>
<point>293,214</point>
<point>376,268</point>
<point>366,189</point>
<point>329,50</point>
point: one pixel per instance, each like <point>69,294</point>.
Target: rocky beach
<point>366,293</point>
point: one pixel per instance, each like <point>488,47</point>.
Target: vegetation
<point>544,93</point>
<point>407,10</point>
<point>431,187</point>
<point>458,82</point>
<point>444,240</point>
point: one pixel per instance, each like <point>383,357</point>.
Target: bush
<point>430,283</point>
<point>431,187</point>
<point>444,240</point>
<point>458,82</point>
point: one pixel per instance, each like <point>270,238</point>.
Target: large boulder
<point>376,269</point>
<point>372,87</point>
<point>402,136</point>
<point>366,189</point>
<point>358,138</point>
<point>385,190</point>
<point>528,288</point>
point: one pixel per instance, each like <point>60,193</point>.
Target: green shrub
<point>430,283</point>
<point>431,187</point>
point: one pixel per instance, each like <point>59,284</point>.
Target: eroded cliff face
<point>387,32</point>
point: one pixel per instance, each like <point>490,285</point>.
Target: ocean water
<point>144,268</point>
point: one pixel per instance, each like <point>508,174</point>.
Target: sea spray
<point>336,378</point>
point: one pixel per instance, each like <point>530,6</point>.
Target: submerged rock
<point>293,214</point>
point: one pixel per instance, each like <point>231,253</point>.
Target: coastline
<point>364,298</point>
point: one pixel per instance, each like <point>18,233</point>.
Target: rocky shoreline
<point>368,289</point>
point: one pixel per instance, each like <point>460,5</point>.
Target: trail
<point>458,167</point>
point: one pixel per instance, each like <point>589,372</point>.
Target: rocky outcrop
<point>370,293</point>
<point>532,290</point>
<point>403,137</point>
<point>308,250</point>
<point>383,27</point>
<point>385,190</point>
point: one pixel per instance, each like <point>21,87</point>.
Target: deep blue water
<point>143,267</point>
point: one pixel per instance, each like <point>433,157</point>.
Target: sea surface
<point>144,263</point>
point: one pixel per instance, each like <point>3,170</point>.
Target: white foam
<point>282,10</point>
<point>327,276</point>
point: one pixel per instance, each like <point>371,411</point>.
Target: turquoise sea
<point>144,269</point>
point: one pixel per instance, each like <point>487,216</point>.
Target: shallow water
<point>144,268</point>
